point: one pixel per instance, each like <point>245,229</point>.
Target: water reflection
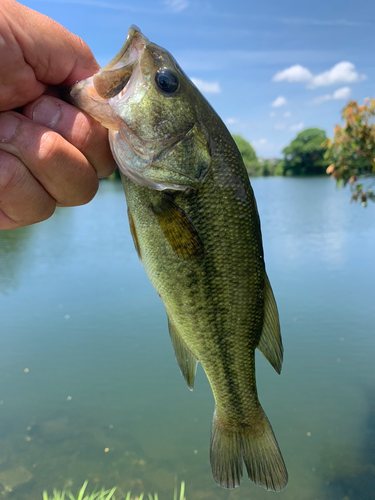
<point>351,470</point>
<point>15,255</point>
<point>79,313</point>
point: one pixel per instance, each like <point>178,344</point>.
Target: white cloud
<point>260,142</point>
<point>177,5</point>
<point>207,87</point>
<point>279,101</point>
<point>272,114</point>
<point>298,127</point>
<point>341,94</point>
<point>296,73</point>
<point>280,126</point>
<point>231,121</point>
<point>287,114</point>
<point>342,72</point>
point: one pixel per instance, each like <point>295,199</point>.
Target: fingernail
<point>47,112</point>
<point>8,127</point>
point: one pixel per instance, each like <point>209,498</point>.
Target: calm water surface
<point>89,387</point>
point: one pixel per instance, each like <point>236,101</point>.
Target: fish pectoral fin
<point>185,358</point>
<point>178,229</point>
<point>134,234</point>
<point>270,343</point>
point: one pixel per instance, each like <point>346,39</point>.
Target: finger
<point>60,168</point>
<point>78,128</point>
<point>23,200</point>
<point>37,51</point>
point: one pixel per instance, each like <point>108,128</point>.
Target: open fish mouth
<point>111,80</point>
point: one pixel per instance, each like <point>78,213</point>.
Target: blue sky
<point>268,68</point>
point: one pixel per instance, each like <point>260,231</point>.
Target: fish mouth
<point>112,79</point>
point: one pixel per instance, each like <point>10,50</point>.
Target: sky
<point>269,69</point>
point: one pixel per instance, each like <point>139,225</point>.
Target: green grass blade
<point>82,491</point>
<point>110,494</point>
<point>182,492</point>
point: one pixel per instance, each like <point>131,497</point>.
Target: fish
<point>196,228</point>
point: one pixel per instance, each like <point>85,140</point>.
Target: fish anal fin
<point>178,229</point>
<point>270,343</point>
<point>185,359</point>
<point>133,232</point>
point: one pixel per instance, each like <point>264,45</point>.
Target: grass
<point>109,494</point>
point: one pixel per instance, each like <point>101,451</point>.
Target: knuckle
<point>11,173</point>
<point>45,213</point>
<point>106,170</point>
<point>22,199</point>
<point>49,147</point>
<point>91,188</point>
<point>86,136</point>
<point>43,206</point>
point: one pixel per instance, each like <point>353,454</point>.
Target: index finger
<point>36,52</point>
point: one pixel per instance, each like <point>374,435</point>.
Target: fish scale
<point>196,228</point>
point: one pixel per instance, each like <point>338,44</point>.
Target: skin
<point>51,154</point>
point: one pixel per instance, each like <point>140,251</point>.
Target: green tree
<point>351,152</point>
<point>305,154</point>
<point>248,155</point>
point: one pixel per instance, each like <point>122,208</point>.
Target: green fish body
<point>195,226</point>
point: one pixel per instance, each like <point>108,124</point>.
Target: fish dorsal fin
<point>134,234</point>
<point>185,359</point>
<point>270,343</point>
<point>178,229</point>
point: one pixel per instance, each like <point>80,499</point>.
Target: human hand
<point>51,153</point>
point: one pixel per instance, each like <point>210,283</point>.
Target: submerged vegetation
<point>109,494</point>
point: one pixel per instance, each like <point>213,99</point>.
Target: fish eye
<point>167,81</point>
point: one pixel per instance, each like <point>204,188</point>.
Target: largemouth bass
<point>195,226</point>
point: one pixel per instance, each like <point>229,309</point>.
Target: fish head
<point>151,109</point>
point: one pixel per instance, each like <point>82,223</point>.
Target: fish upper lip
<point>123,57</point>
<point>113,78</point>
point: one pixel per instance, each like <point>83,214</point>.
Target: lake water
<point>89,387</point>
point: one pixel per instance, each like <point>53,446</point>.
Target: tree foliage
<point>305,154</point>
<point>254,166</point>
<point>248,154</point>
<point>351,152</point>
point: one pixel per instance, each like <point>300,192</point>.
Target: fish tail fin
<point>255,445</point>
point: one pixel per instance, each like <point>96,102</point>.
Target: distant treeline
<point>303,156</point>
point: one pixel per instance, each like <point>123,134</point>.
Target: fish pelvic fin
<point>185,358</point>
<point>253,444</point>
<point>270,343</point>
